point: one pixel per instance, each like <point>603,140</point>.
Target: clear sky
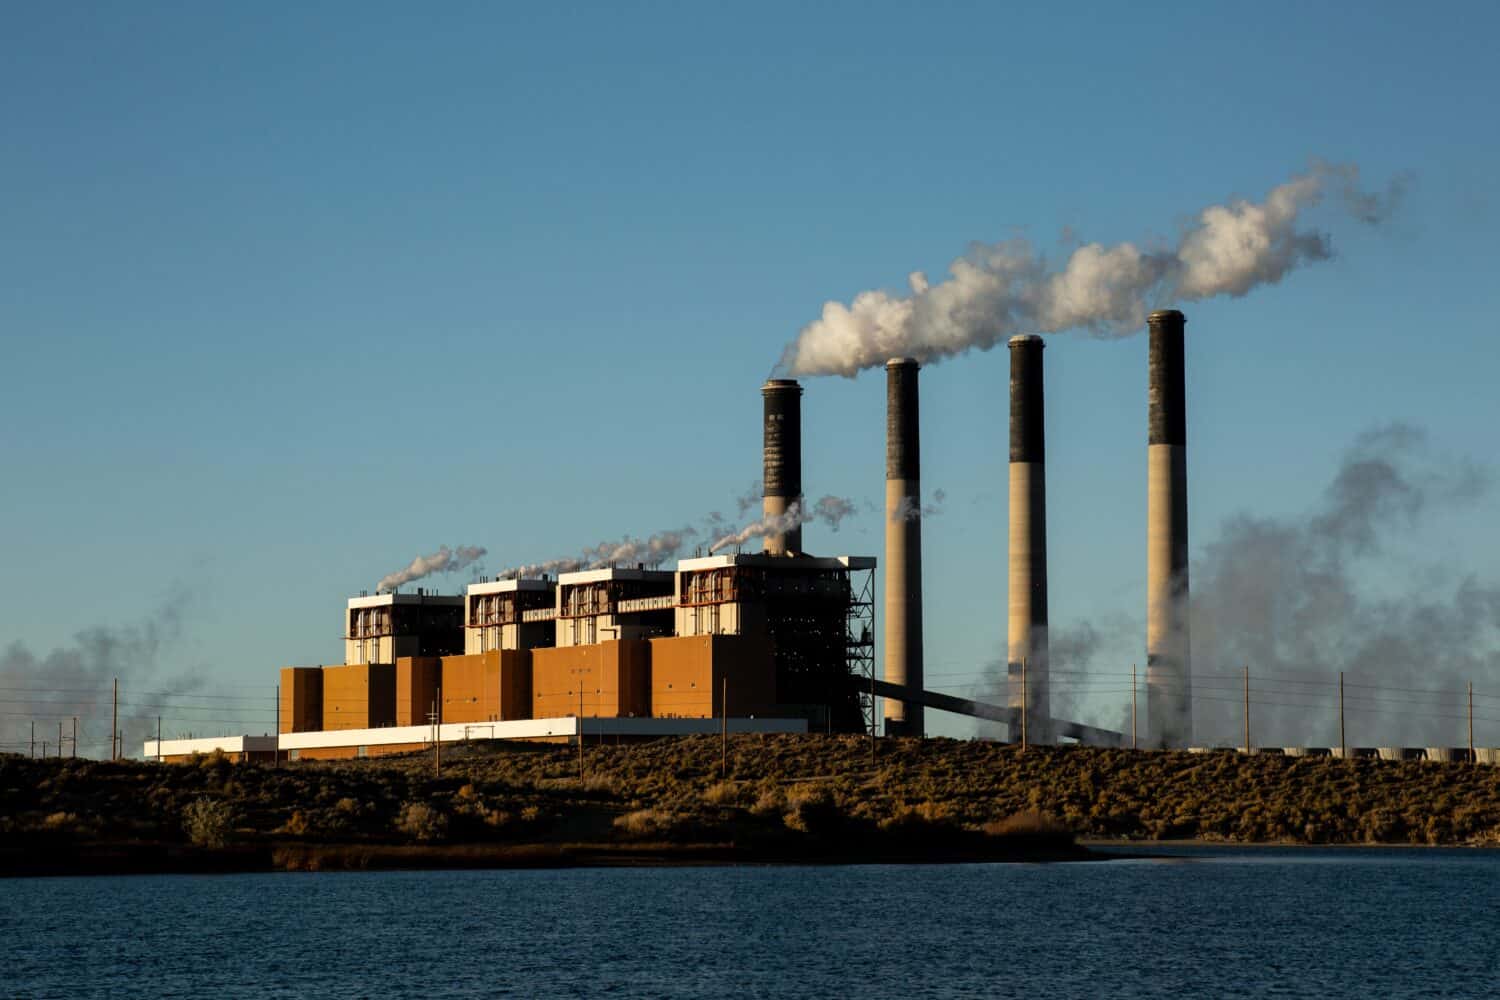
<point>290,294</point>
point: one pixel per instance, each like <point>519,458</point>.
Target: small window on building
<point>363,751</point>
<point>294,755</point>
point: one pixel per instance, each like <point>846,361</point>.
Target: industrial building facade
<point>755,636</point>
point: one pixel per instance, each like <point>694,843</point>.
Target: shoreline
<point>163,858</point>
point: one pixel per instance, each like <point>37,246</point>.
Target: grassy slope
<point>788,798</point>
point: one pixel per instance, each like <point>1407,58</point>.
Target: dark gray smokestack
<point>1026,618</point>
<point>783,465</point>
<point>903,545</point>
<point>1169,715</point>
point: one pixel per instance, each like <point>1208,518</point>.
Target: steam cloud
<point>1294,599</point>
<point>444,560</point>
<point>909,510</point>
<point>830,510</point>
<point>1285,597</point>
<point>76,680</point>
<point>653,550</point>
<point>996,291</point>
<point>667,545</point>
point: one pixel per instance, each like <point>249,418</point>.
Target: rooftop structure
<point>378,628</point>
<point>510,614</point>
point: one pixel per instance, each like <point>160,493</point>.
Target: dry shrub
<point>60,821</point>
<point>1031,823</point>
<point>724,793</point>
<point>420,821</point>
<point>770,802</point>
<point>649,824</point>
<point>922,815</point>
<point>207,822</point>
<point>810,809</point>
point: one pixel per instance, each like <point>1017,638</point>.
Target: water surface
<point>1187,922</point>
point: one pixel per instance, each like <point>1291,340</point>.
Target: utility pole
<point>59,737</point>
<point>872,717</point>
<point>1023,703</point>
<point>724,731</point>
<point>33,739</point>
<point>1247,710</point>
<point>1343,747</point>
<point>158,739</point>
<point>278,710</point>
<point>1471,722</point>
<point>437,734</point>
<point>1133,744</point>
<point>114,722</point>
<point>580,727</point>
<point>75,736</point>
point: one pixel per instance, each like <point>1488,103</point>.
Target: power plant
<point>771,641</point>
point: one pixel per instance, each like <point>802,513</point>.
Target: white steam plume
<point>655,550</point>
<point>909,510</point>
<point>444,560</point>
<point>830,510</point>
<point>996,291</point>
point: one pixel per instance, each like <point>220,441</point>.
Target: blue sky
<point>290,296</point>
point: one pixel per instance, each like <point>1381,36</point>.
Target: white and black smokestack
<point>783,462</point>
<point>1026,619</point>
<point>903,545</point>
<point>1169,715</point>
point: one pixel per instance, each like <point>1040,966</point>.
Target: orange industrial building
<point>773,633</point>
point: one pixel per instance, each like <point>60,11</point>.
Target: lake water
<point>1189,922</point>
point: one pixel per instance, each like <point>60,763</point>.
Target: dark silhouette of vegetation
<point>792,798</point>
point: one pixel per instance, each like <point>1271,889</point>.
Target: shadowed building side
<point>903,546</point>
<point>1169,720</point>
<point>1026,620</point>
<point>782,452</point>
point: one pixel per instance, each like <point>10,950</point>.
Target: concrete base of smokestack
<point>1169,704</point>
<point>1026,613</point>
<point>1169,715</point>
<point>903,603</point>
<point>784,543</point>
<point>903,545</point>
<point>1026,619</point>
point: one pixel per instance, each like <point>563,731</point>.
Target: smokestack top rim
<point>781,385</point>
<point>902,363</point>
<point>1025,340</point>
<point>1166,315</point>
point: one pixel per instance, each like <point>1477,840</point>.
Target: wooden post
<point>1343,747</point>
<point>724,731</point>
<point>1133,744</point>
<point>114,723</point>
<point>1471,723</point>
<point>1247,710</point>
<point>1023,703</point>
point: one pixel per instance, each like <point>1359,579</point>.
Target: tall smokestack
<point>783,462</point>
<point>1026,633</point>
<point>1169,715</point>
<point>903,545</point>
